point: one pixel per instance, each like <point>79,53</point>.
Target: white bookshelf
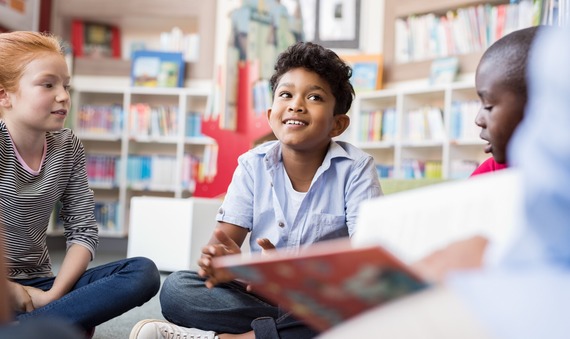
<point>121,144</point>
<point>394,151</point>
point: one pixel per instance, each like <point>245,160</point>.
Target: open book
<point>331,281</point>
<point>325,283</point>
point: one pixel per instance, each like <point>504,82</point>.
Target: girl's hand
<point>226,246</point>
<point>19,298</point>
<point>39,297</point>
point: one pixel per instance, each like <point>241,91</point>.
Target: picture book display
<point>366,71</point>
<point>157,69</point>
<point>326,283</point>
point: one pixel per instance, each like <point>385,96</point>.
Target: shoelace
<point>172,335</point>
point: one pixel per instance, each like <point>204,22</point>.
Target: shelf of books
<point>420,32</point>
<point>420,133</point>
<point>140,141</point>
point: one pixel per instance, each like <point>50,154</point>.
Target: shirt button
<point>281,224</point>
<point>221,211</point>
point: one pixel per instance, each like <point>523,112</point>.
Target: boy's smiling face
<point>301,116</point>
<point>501,109</point>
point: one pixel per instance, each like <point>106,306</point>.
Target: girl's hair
<point>322,61</point>
<point>18,49</point>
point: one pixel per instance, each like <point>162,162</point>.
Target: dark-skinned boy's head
<point>501,85</point>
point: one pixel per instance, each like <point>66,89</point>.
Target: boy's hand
<point>265,244</point>
<point>460,255</point>
<point>267,248</point>
<point>226,246</point>
<point>19,297</point>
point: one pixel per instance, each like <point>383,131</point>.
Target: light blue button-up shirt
<point>257,198</point>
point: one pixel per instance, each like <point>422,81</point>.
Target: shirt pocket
<point>328,226</point>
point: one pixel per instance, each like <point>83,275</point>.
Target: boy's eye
<point>67,87</point>
<point>48,85</point>
<point>487,108</point>
<point>315,97</point>
<point>284,95</point>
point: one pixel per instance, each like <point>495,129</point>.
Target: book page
<point>412,224</point>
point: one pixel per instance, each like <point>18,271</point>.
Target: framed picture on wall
<point>366,71</point>
<point>20,15</point>
<point>332,23</point>
<point>157,69</point>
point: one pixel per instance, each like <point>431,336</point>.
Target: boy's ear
<point>341,123</point>
<point>4,99</point>
<point>268,113</point>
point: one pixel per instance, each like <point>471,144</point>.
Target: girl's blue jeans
<point>101,293</point>
<point>226,308</point>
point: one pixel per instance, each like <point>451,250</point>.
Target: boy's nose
<point>296,106</point>
<point>479,119</point>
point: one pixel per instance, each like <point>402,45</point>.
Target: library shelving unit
<point>416,128</point>
<point>138,141</point>
<point>395,9</point>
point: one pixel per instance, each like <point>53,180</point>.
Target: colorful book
<point>326,283</point>
<point>92,39</point>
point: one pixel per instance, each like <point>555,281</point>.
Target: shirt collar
<point>272,153</point>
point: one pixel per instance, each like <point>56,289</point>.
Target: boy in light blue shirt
<point>300,189</point>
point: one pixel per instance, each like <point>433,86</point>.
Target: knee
<point>171,287</point>
<point>147,274</point>
<point>176,285</point>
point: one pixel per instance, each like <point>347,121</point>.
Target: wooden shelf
<point>394,72</point>
<point>110,67</point>
<point>141,20</point>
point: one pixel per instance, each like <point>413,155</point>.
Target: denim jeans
<point>226,308</point>
<point>100,294</point>
<point>40,328</point>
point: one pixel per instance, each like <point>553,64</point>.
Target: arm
<point>80,229</point>
<point>74,265</point>
<point>364,185</point>
<point>4,292</point>
<point>11,293</point>
<point>459,255</point>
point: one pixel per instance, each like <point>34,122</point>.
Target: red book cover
<point>326,283</point>
<point>97,40</point>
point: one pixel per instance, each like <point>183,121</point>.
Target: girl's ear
<point>4,99</point>
<point>341,123</point>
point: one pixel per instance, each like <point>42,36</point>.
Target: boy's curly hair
<point>322,61</point>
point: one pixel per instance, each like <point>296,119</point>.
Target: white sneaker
<point>161,329</point>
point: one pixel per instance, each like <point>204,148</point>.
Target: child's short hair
<point>18,49</point>
<point>509,55</point>
<point>322,61</point>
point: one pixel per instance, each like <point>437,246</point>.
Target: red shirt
<point>489,165</point>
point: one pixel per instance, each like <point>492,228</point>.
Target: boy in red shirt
<point>500,81</point>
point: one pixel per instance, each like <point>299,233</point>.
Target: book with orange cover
<point>326,283</point>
